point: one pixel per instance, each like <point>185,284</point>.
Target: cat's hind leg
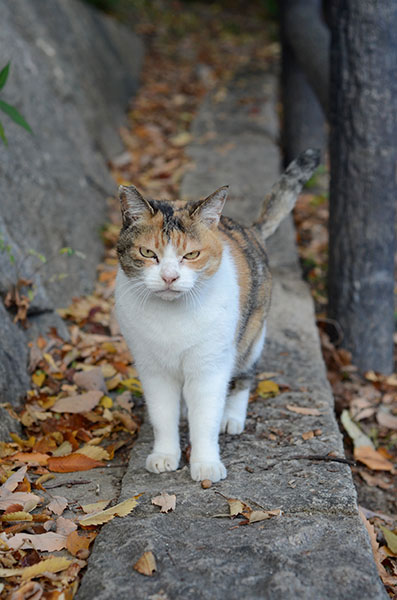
<point>235,410</point>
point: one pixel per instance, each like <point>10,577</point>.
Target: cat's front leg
<point>163,394</point>
<point>205,395</point>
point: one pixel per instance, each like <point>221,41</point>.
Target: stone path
<point>318,549</point>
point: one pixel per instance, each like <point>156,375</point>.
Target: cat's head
<point>167,248</point>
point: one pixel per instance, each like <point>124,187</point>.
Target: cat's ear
<point>133,204</point>
<point>209,210</point>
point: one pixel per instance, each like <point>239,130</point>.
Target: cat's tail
<point>282,197</point>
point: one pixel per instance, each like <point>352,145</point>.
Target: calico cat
<point>192,297</point>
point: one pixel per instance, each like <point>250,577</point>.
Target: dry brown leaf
<point>91,380</point>
<point>146,564</point>
<point>372,458</point>
<point>95,506</point>
<point>19,498</point>
<point>31,457</point>
<point>166,502</point>
<point>386,419</point>
<point>71,463</point>
<point>261,515</point>
<point>236,506</point>
<point>12,482</point>
<point>384,575</point>
<point>31,590</point>
<point>375,480</point>
<point>308,435</point>
<point>57,505</point>
<point>119,510</point>
<point>51,565</point>
<point>75,542</point>
<point>78,404</point>
<point>46,542</point>
<point>95,452</point>
<point>302,410</point>
<point>65,526</point>
<point>64,449</point>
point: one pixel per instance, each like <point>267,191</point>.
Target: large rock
<point>72,73</point>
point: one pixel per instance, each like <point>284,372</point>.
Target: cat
<point>192,298</point>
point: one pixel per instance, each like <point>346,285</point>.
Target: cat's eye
<point>192,255</point>
<point>147,253</point>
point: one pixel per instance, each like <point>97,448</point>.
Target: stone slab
<point>73,71</point>
<point>318,548</point>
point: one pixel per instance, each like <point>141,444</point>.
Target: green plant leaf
<point>3,75</point>
<point>12,112</point>
<point>3,135</point>
<point>41,257</point>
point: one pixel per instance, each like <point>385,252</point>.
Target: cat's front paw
<point>214,471</point>
<point>232,425</point>
<point>159,463</point>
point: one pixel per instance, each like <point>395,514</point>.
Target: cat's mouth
<point>168,294</point>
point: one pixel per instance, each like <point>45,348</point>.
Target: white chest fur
<point>177,334</point>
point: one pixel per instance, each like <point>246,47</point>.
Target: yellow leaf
<point>106,402</point>
<point>20,515</point>
<point>10,572</point>
<point>133,384</point>
<point>95,506</point>
<point>146,564</point>
<point>119,510</point>
<point>38,378</point>
<point>112,383</point>
<point>52,565</point>
<point>108,370</point>
<point>267,389</point>
<point>391,539</point>
<point>95,452</point>
<point>50,361</point>
<point>109,347</point>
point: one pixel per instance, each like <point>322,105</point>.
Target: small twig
<point>326,458</point>
<point>66,484</point>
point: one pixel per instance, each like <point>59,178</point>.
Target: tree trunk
<point>304,61</point>
<point>363,192</point>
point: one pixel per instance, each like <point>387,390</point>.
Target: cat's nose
<point>169,278</point>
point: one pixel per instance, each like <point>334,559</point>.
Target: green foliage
<point>8,109</point>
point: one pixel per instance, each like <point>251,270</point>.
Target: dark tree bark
<point>363,193</point>
<point>304,79</point>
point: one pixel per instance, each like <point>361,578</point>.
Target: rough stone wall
<point>72,73</point>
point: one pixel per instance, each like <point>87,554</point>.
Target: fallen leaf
<point>38,378</point>
<point>133,385</point>
<point>65,526</point>
<point>19,498</point>
<point>236,506</point>
<point>51,565</point>
<point>91,380</point>
<point>31,457</point>
<point>119,510</point>
<point>261,515</point>
<point>391,539</point>
<point>94,452</point>
<point>31,590</point>
<point>72,462</point>
<point>384,575</point>
<point>165,501</point>
<point>64,449</point>
<point>308,435</point>
<point>57,505</point>
<point>375,480</point>
<point>13,480</point>
<point>75,542</point>
<point>301,410</point>
<point>385,419</point>
<point>46,542</point>
<point>267,389</point>
<point>359,438</point>
<point>372,458</point>
<point>95,506</point>
<point>146,564</point>
<point>19,515</point>
<point>78,404</point>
